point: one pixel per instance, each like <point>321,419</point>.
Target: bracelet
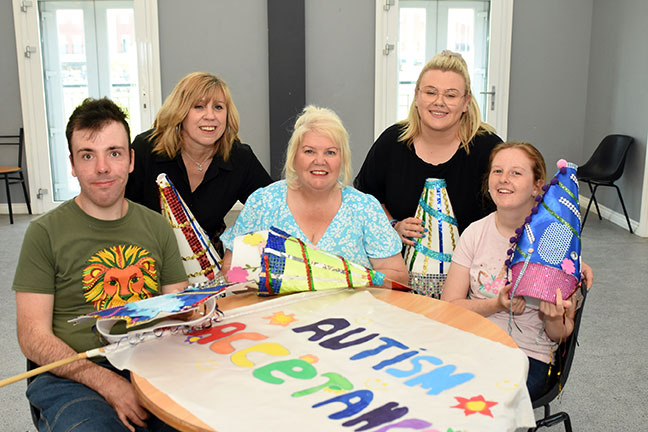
<point>393,223</point>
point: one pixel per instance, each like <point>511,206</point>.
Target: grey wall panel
<point>617,92</point>
<point>230,40</point>
<point>549,71</point>
<point>340,66</point>
<point>10,108</point>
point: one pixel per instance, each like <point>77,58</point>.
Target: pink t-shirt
<point>482,249</point>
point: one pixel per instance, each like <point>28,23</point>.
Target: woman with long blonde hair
<point>195,141</point>
<point>444,138</point>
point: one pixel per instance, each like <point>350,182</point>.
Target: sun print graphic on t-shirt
<point>119,274</point>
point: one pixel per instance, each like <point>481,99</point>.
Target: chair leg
<point>6,179</point>
<point>593,191</point>
<point>625,212</point>
<point>554,420</point>
<point>589,204</point>
<point>24,186</point>
<point>568,426</point>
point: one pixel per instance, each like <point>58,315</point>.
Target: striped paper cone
<point>281,263</point>
<point>429,259</point>
<point>200,259</point>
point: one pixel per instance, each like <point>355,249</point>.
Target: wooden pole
<point>48,367</point>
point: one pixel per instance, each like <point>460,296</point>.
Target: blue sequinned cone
<point>546,250</point>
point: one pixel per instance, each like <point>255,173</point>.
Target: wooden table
<point>173,414</point>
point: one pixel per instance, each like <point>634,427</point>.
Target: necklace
<point>198,164</point>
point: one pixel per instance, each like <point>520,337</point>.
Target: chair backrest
<point>15,140</point>
<point>564,358</point>
<point>608,160</point>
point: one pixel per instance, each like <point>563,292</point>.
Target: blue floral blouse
<point>359,231</point>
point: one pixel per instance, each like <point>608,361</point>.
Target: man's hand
<point>121,395</point>
<point>38,343</point>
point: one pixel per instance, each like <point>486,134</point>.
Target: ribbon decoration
<point>545,253</point>
<point>429,259</point>
<point>200,259</point>
<point>280,263</point>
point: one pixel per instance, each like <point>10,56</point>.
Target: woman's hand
<point>505,303</point>
<point>555,311</point>
<point>393,267</point>
<point>410,229</point>
<point>559,317</point>
<point>587,276</point>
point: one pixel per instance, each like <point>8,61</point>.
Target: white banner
<point>342,361</point>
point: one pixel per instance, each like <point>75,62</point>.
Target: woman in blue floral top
<point>316,204</point>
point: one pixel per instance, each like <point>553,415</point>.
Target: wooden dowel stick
<point>49,367</point>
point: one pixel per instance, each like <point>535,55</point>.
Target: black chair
<point>604,168</point>
<point>559,375</point>
<point>13,174</point>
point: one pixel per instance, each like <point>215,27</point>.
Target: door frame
<point>499,62</point>
<point>32,88</point>
<point>641,229</point>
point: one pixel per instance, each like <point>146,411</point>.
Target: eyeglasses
<point>450,97</point>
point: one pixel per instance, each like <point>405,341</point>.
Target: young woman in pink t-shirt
<point>477,276</point>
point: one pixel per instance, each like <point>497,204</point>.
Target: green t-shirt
<point>90,264</point>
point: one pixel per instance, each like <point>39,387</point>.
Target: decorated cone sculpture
<point>281,263</point>
<point>147,311</point>
<point>200,259</point>
<point>546,250</point>
<point>429,259</point>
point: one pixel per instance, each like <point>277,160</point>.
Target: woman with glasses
<point>442,138</point>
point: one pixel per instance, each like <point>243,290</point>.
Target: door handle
<point>492,95</point>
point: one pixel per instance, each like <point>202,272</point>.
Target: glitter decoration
<point>199,257</point>
<point>428,260</point>
<point>290,265</point>
<point>547,255</point>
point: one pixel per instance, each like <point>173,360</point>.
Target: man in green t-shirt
<point>95,251</point>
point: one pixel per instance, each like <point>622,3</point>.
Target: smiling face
<point>101,162</point>
<point>205,122</point>
<point>441,100</point>
<point>317,162</point>
<point>511,180</point>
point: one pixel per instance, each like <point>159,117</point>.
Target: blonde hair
<point>167,133</point>
<point>325,122</point>
<point>470,124</point>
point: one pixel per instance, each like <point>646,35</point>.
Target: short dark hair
<point>94,115</point>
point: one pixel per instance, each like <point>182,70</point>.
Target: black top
<point>395,175</point>
<point>224,183</point>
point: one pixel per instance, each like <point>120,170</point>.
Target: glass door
<point>427,27</point>
<point>89,50</point>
